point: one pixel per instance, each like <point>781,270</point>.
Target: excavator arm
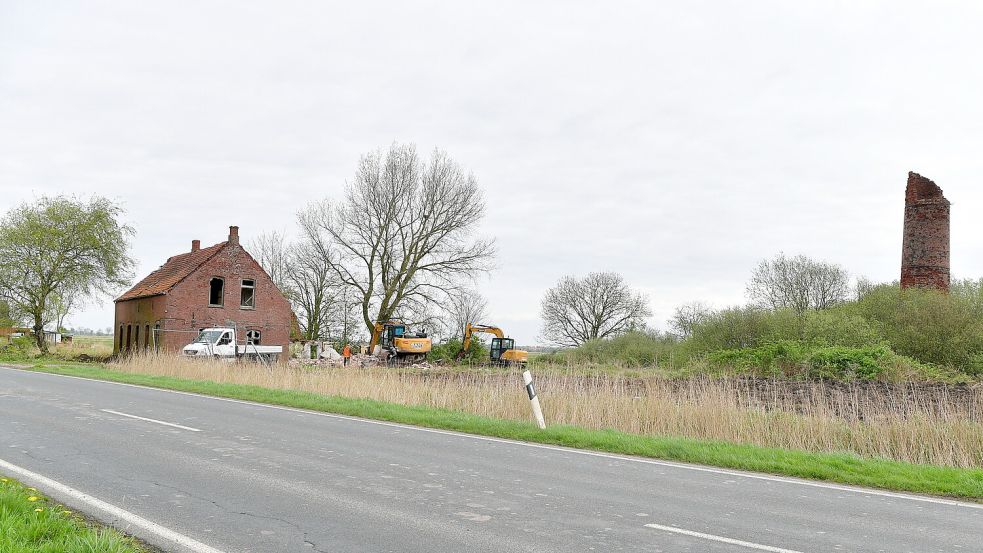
<point>507,354</point>
<point>471,329</point>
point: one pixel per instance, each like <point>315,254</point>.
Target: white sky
<point>676,143</point>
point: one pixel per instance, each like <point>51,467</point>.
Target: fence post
<point>534,399</point>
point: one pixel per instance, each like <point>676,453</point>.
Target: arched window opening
<point>216,292</point>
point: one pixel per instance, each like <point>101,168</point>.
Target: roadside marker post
<point>534,399</point>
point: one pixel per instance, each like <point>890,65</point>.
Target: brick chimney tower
<point>195,245</point>
<point>234,235</point>
<point>925,249</point>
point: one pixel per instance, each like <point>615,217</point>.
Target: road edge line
<point>120,514</point>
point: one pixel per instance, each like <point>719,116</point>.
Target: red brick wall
<point>185,309</point>
<point>925,247</point>
<point>142,312</point>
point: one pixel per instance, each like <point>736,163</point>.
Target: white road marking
<point>672,464</point>
<point>54,488</point>
<point>151,420</point>
<point>721,539</point>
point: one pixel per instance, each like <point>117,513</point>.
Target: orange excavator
<point>502,349</point>
<point>397,344</point>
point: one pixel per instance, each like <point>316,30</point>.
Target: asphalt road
<point>244,477</point>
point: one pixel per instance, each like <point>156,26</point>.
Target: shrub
<point>19,349</point>
<point>933,327</point>
<point>447,352</point>
<point>633,349</point>
<point>792,358</point>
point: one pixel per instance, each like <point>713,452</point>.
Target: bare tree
<point>313,289</point>
<point>798,283</point>
<point>272,252</point>
<point>403,236</point>
<point>600,305</point>
<point>304,277</point>
<point>863,287</point>
<point>688,316</point>
<point>464,306</point>
<point>345,318</point>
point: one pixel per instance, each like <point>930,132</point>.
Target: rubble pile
<point>358,360</point>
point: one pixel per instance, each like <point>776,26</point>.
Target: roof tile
<point>170,273</point>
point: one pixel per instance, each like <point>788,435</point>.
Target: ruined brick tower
<point>925,250</point>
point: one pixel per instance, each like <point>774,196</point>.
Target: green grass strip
<point>832,467</point>
<point>31,523</point>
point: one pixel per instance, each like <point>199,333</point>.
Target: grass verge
<point>842,468</point>
<point>30,523</point>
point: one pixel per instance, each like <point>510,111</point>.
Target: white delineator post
<point>534,399</point>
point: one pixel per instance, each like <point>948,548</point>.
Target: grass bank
<point>30,523</point>
<point>965,483</point>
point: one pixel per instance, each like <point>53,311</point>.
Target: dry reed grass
<point>933,425</point>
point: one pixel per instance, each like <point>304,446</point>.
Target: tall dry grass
<point>920,424</point>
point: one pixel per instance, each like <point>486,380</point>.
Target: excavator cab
<point>499,346</point>
<point>391,333</point>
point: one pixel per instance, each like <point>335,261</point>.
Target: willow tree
<point>58,246</point>
<point>404,235</point>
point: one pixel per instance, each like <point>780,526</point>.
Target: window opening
<point>216,292</point>
<point>247,297</point>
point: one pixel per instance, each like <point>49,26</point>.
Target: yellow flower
<point>66,512</point>
<point>33,498</point>
<point>33,489</point>
<point>3,480</point>
<point>38,510</point>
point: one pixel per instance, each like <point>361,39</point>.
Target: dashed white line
<point>67,493</point>
<point>165,423</point>
<point>721,539</point>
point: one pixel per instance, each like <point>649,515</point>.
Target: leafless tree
<point>313,289</point>
<point>305,279</point>
<point>345,318</point>
<point>863,287</point>
<point>600,305</point>
<point>688,316</point>
<point>798,283</point>
<point>403,237</point>
<point>465,306</point>
<point>272,251</point>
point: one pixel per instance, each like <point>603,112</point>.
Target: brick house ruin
<point>218,286</point>
<point>925,247</point>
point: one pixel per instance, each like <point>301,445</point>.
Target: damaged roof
<point>170,273</point>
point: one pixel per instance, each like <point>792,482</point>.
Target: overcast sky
<point>677,143</point>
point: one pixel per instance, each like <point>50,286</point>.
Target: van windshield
<point>208,337</point>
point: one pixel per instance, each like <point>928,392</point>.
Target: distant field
<point>89,341</point>
<point>96,347</point>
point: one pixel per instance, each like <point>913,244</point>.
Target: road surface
<point>243,477</point>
